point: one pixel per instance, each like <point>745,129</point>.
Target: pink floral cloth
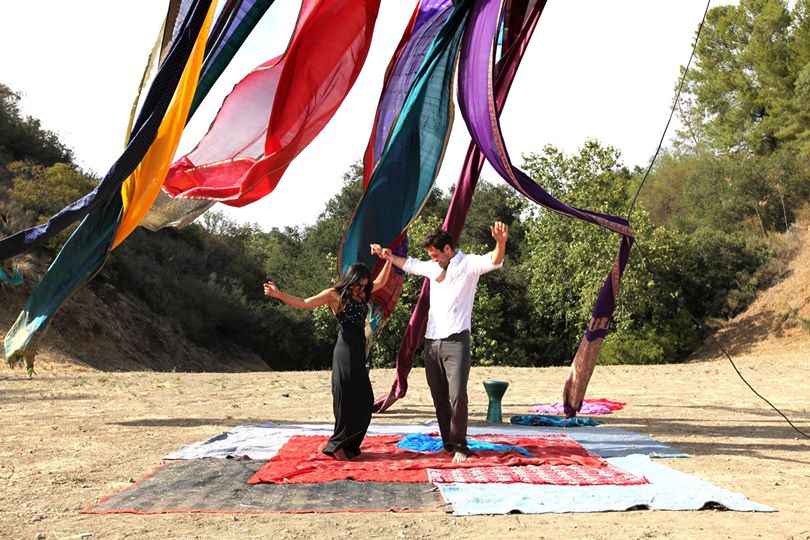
<point>589,407</point>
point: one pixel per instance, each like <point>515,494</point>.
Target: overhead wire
<point>694,319</point>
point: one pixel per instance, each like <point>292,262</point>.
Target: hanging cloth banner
<point>479,112</point>
<point>77,262</point>
<point>144,132</point>
<point>143,185</point>
<point>88,247</point>
<point>428,19</point>
<point>235,22</point>
<point>407,169</point>
<point>519,27</point>
<point>276,111</point>
<point>178,9</point>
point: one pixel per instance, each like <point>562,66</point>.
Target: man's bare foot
<point>340,455</point>
<point>459,457</point>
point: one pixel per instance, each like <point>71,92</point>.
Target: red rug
<point>558,475</point>
<point>300,460</point>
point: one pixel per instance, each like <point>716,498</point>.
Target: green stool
<point>495,391</point>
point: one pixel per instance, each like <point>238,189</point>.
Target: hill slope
<point>778,321</point>
<point>101,328</point>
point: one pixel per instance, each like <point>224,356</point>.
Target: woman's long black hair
<point>353,276</point>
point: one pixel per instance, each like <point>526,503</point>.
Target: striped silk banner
<point>234,23</point>
<point>428,19</point>
<point>88,247</point>
<point>143,134</point>
<point>406,171</point>
<point>519,26</point>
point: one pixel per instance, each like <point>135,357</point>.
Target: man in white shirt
<point>453,278</point>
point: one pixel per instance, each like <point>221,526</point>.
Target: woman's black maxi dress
<point>352,397</point>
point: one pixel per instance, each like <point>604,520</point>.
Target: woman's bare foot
<point>459,458</point>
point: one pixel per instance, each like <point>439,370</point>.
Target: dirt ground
<point>73,435</point>
<point>101,413</point>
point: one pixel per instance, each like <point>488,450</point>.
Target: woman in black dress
<point>352,397</point>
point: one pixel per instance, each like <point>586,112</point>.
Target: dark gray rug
<point>220,485</point>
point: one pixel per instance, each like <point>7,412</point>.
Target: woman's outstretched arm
<point>325,297</point>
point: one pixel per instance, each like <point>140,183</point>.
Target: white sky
<point>603,69</point>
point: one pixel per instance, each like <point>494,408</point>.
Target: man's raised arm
<point>500,232</point>
<point>388,255</point>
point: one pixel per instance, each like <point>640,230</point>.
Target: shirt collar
<point>456,258</point>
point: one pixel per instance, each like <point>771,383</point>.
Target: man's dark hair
<point>438,238</point>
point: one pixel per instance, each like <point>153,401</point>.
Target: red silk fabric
<point>279,108</point>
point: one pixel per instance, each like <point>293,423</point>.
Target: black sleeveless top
<point>353,316</point>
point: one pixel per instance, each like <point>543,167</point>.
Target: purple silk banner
<point>478,108</point>
<point>520,23</point>
<point>428,19</point>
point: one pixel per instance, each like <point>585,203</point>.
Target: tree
<point>734,193</point>
<point>566,260</point>
<point>46,190</point>
<point>708,272</point>
<point>742,92</point>
<point>23,139</point>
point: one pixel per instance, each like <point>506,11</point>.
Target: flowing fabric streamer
<point>87,249</point>
<point>144,132</point>
<point>519,26</point>
<point>233,26</point>
<point>278,109</point>
<point>143,185</point>
<point>479,111</point>
<point>428,19</point>
<point>235,22</point>
<point>407,168</point>
<point>177,12</point>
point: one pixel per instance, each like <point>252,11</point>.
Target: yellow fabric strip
<point>151,62</point>
<point>142,187</point>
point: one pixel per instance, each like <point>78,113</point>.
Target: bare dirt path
<point>71,436</point>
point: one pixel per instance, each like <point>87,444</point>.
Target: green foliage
<point>566,260</point>
<point>211,284</point>
<point>46,190</point>
<point>708,272</point>
<point>752,195</point>
<point>747,91</point>
<point>39,166</point>
<point>37,192</point>
<point>23,139</point>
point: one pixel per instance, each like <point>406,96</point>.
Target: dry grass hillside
<point>778,321</point>
<point>102,329</point>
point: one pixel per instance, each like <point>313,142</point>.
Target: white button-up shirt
<point>451,300</point>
